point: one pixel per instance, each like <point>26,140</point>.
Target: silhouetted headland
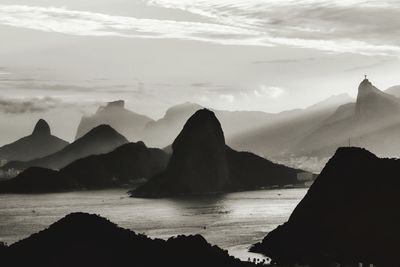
<point>202,163</point>
<point>82,239</point>
<point>128,164</point>
<point>349,215</point>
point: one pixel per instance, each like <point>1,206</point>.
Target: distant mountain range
<point>99,140</point>
<point>126,122</point>
<point>349,215</point>
<point>301,138</point>
<point>39,144</point>
<point>162,132</point>
<point>372,122</point>
<point>265,134</point>
<point>201,163</point>
<point>276,139</point>
<point>126,165</point>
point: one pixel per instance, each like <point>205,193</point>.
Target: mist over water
<point>232,221</point>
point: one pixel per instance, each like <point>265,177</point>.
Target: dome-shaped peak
<point>41,128</point>
<point>202,126</point>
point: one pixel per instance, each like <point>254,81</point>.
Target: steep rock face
<point>202,163</point>
<point>198,163</point>
<point>41,128</point>
<point>40,143</point>
<point>348,215</point>
<point>127,122</point>
<point>99,140</point>
<point>372,103</point>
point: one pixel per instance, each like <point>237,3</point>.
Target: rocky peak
<point>203,125</point>
<point>199,163</point>
<point>41,128</point>
<point>372,102</point>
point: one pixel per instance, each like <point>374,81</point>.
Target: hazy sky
<point>268,55</point>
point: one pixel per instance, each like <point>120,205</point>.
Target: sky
<point>60,56</point>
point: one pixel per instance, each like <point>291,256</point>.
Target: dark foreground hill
<point>81,239</point>
<point>101,139</point>
<point>39,144</point>
<point>350,214</point>
<point>202,163</point>
<point>126,165</point>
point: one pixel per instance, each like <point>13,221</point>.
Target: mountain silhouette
<point>127,165</point>
<point>349,215</point>
<point>202,163</point>
<point>39,144</point>
<point>372,103</point>
<point>99,140</point>
<point>162,132</point>
<point>372,122</point>
<point>126,122</point>
<point>278,138</point>
<point>198,163</point>
<point>123,166</point>
<point>393,90</point>
<point>81,239</point>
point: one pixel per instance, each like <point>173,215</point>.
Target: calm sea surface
<point>232,221</point>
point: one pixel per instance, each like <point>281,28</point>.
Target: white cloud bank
<point>271,91</point>
<point>351,26</point>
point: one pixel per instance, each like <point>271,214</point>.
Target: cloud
<point>37,105</point>
<point>271,92</point>
<point>84,23</point>
<point>227,97</point>
<point>283,61</point>
<point>19,106</point>
<point>367,27</point>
